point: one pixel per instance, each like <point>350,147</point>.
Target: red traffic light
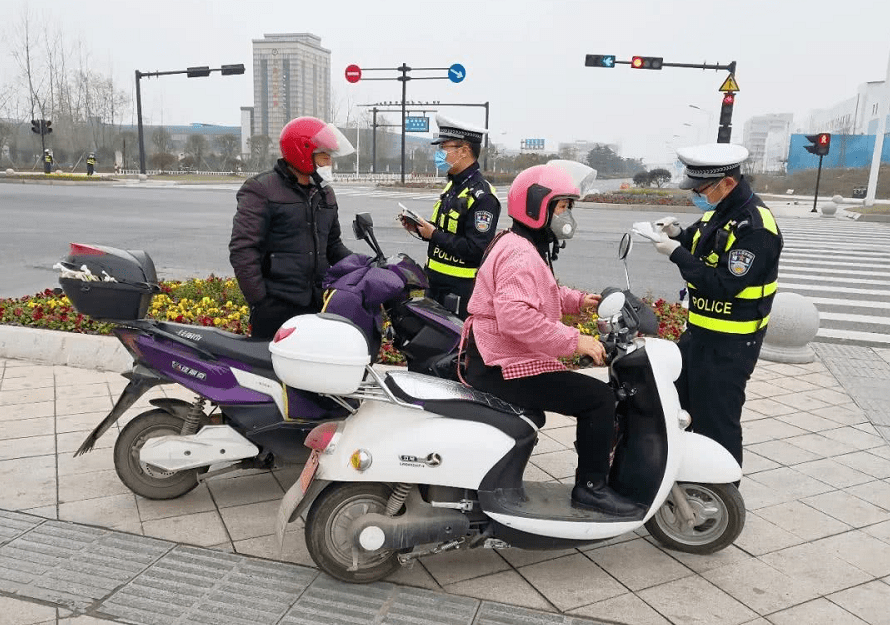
<point>646,62</point>
<point>824,139</point>
<point>729,98</point>
<point>821,144</point>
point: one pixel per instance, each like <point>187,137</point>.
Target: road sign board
<point>456,73</point>
<point>531,144</point>
<point>353,73</point>
<point>729,84</point>
<point>417,124</point>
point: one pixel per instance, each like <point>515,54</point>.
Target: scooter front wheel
<point>329,540</point>
<point>719,518</point>
<point>144,480</point>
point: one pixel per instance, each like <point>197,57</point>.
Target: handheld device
<point>410,215</point>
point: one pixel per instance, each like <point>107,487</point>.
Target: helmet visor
<point>331,141</point>
<point>583,176</point>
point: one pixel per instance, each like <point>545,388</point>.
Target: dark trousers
<point>441,286</point>
<point>89,169</point>
<point>589,400</point>
<point>271,313</point>
<point>712,385</point>
<point>47,167</point>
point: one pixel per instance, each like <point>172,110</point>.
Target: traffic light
<point>46,126</point>
<point>599,60</point>
<point>821,143</point>
<point>646,62</point>
<point>231,70</point>
<point>726,109</point>
<point>35,126</point>
<point>197,72</point>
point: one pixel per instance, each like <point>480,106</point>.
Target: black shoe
<point>596,495</point>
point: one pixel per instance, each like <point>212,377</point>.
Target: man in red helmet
<point>286,230</point>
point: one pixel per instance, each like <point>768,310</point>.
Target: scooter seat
<point>253,352</point>
<point>453,399</point>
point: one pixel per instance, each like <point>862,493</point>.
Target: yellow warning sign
<point>729,84</point>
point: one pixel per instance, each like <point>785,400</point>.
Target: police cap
<point>453,130</point>
<point>710,162</point>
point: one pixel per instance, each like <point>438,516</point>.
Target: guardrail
<point>372,178</point>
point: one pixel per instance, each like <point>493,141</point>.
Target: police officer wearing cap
<point>465,217</point>
<point>730,261</point>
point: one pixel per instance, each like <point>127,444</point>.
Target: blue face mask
<point>440,157</point>
<point>702,202</point>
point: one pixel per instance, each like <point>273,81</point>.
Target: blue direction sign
<point>417,124</point>
<point>457,73</point>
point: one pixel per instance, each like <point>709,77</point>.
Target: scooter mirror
<point>611,304</point>
<point>361,225</point>
<point>625,246</point>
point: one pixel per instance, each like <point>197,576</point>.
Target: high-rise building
<point>291,78</point>
<point>766,137</point>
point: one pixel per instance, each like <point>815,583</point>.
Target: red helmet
<point>304,136</point>
<point>534,189</point>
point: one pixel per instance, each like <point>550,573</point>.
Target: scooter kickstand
<point>682,506</point>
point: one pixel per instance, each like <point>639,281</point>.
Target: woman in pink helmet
<point>517,336</point>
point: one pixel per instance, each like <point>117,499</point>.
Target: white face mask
<point>326,174</point>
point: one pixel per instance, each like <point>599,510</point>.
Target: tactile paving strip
<point>191,585</point>
<point>74,565</point>
<point>334,603</point>
<point>14,524</point>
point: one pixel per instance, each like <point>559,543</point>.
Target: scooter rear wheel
<point>327,532</point>
<point>146,481</point>
<point>719,518</point>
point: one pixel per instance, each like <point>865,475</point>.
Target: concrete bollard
<point>143,177</point>
<point>793,323</point>
<point>10,171</point>
<point>829,209</point>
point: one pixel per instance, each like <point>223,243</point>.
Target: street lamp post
<point>191,72</point>
<point>708,113</point>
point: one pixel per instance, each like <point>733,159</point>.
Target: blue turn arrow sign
<point>456,72</point>
<point>608,61</point>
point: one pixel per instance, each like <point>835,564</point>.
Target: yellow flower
<point>217,321</point>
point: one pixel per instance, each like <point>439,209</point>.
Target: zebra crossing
<point>844,269</point>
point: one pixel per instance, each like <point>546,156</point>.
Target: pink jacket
<point>516,309</point>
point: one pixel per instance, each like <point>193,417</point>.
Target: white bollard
<point>793,323</point>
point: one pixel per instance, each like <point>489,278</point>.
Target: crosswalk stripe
<point>840,267</point>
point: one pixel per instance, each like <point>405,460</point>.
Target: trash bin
<point>859,192</point>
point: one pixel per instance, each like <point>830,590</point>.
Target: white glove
<point>669,225</point>
<point>666,245</point>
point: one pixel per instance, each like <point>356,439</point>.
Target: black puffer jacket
<point>284,237</point>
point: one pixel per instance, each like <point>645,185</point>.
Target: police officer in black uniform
<point>730,261</point>
<point>464,219</point>
<point>91,163</point>
<point>47,162</point>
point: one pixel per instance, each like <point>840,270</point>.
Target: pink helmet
<point>304,136</point>
<point>534,189</point>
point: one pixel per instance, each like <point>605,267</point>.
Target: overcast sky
<point>525,57</point>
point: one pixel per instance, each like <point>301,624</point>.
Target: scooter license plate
<point>309,470</point>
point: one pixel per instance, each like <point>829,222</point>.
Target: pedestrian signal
<point>821,144</point>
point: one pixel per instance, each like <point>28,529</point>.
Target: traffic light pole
<point>818,177</point>
<point>192,72</point>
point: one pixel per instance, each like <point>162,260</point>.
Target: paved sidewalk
<point>76,547</point>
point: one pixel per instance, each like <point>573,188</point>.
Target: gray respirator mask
<point>563,225</point>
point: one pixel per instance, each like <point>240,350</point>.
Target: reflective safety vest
<point>746,312</point>
<point>91,161</point>
<point>448,215</point>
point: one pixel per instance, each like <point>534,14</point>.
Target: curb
<point>53,347</point>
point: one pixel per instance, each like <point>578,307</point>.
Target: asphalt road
<point>186,231</point>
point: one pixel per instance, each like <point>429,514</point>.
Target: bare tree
<point>229,147</point>
<point>162,140</point>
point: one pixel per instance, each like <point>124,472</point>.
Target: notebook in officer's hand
<point>645,229</point>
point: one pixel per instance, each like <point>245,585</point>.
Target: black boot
<point>594,494</point>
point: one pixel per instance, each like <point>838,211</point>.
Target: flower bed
<point>218,302</point>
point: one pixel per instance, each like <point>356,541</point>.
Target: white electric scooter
<point>426,465</point>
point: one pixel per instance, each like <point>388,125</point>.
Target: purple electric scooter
<point>243,416</point>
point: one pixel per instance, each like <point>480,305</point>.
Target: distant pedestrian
<point>47,162</point>
<point>91,163</point>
